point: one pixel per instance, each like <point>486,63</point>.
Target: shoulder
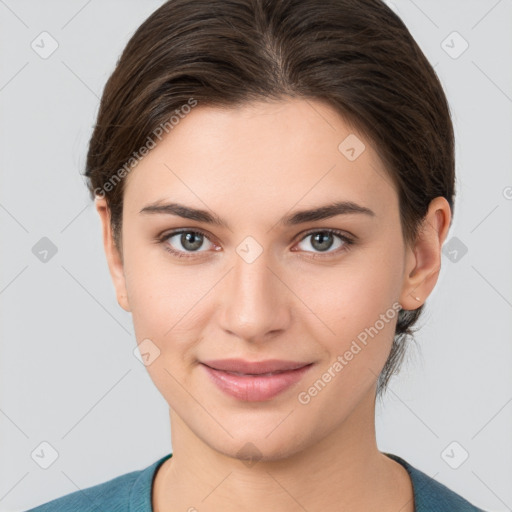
<point>114,493</point>
<point>431,495</point>
<point>124,493</point>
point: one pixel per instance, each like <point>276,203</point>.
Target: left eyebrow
<point>300,217</point>
<point>326,212</point>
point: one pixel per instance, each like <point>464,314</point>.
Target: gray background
<point>68,373</point>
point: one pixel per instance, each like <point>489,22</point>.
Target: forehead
<point>277,153</point>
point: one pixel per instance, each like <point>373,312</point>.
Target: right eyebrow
<point>186,212</point>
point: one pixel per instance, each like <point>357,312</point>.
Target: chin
<point>252,450</point>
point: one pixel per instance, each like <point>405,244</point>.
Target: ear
<point>114,260</point>
<point>423,259</point>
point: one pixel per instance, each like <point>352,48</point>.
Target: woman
<point>275,181</point>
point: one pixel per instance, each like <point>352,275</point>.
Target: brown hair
<point>356,55</point>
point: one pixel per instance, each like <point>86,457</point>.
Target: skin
<point>251,166</point>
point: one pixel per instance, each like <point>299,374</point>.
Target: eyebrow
<point>299,217</point>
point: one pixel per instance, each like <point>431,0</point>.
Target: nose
<point>255,302</point>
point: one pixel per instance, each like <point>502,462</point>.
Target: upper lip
<point>256,367</point>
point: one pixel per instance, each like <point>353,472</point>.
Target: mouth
<point>254,374</point>
<point>243,367</point>
<point>256,385</point>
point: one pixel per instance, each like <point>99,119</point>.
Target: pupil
<point>320,238</point>
<point>186,239</point>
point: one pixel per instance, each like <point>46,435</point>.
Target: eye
<point>323,240</point>
<point>186,242</point>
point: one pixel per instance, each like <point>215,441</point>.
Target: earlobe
<point>423,259</point>
<point>114,260</point>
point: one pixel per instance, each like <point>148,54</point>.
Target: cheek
<point>169,305</point>
<point>353,293</point>
<point>354,304</point>
<point>165,302</point>
<point>159,293</point>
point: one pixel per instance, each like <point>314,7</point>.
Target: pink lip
<point>249,384</point>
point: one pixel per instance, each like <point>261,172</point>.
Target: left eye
<point>322,241</point>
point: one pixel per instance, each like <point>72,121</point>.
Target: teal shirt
<point>131,492</point>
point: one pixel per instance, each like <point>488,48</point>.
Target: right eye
<point>189,240</point>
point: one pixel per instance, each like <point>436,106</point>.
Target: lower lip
<point>255,388</point>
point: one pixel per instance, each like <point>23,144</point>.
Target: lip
<point>252,382</point>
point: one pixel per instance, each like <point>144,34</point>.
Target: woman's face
<point>255,286</point>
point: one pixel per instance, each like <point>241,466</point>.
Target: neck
<point>343,471</point>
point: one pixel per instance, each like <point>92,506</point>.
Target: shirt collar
<point>140,495</point>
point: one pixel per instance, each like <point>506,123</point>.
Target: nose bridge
<point>253,302</point>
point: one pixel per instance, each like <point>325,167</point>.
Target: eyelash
<point>348,242</point>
